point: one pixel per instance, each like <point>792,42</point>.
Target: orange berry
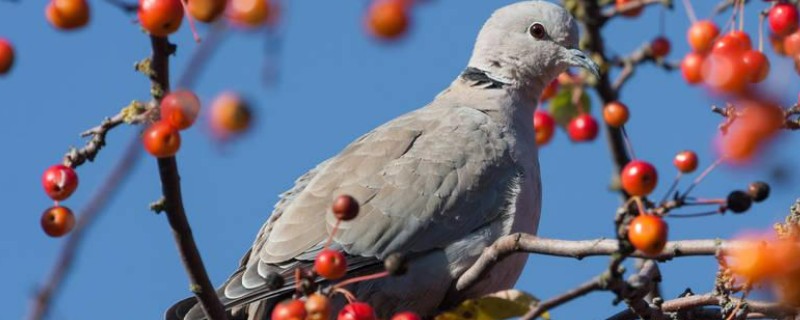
<point>6,56</point>
<point>318,307</point>
<point>791,44</point>
<point>751,260</point>
<point>57,221</point>
<point>230,114</point>
<point>388,19</point>
<point>701,35</point>
<point>160,17</point>
<point>206,10</point>
<point>161,140</point>
<point>648,234</point>
<point>616,114</point>
<point>180,109</point>
<point>345,208</point>
<point>249,13</point>
<point>67,14</point>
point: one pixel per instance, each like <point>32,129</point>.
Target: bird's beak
<point>577,58</point>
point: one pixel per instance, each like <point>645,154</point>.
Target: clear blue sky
<point>335,84</point>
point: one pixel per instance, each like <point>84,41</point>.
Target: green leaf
<point>562,108</point>
<point>501,305</point>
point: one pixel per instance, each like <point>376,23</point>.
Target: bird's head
<point>529,42</point>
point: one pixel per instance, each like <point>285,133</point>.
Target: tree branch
<point>171,188</point>
<point>136,112</point>
<point>579,249</point>
<point>769,309</point>
<point>641,55</point>
<point>41,304</point>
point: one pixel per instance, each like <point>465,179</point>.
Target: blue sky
<point>334,84</point>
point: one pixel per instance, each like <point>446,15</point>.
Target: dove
<point>438,184</point>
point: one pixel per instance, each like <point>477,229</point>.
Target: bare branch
<point>134,113</point>
<point>726,4</point>
<point>522,242</point>
<point>173,200</point>
<point>641,55</point>
<point>589,286</point>
<point>41,304</point>
<point>769,309</point>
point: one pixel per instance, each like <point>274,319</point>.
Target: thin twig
<point>592,285</point>
<point>173,200</point>
<point>770,309</point>
<point>123,168</point>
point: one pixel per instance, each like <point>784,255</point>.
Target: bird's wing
<point>424,180</point>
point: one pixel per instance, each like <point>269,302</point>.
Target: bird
<point>438,184</point>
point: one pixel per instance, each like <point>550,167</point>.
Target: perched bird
<point>438,184</point>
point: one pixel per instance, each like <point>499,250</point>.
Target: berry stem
<point>672,187</point>
<point>189,16</point>
<point>690,11</point>
<point>700,178</point>
<point>694,215</point>
<point>347,294</point>
<point>640,204</point>
<point>628,143</point>
<point>760,32</point>
<point>350,281</point>
<point>333,232</point>
<point>741,15</point>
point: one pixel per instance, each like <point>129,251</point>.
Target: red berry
<point>330,264</point>
<point>701,35</point>
<point>57,221</point>
<point>544,126</point>
<point>616,114</point>
<point>6,56</point>
<point>582,128</point>
<point>318,307</point>
<point>660,47</point>
<point>733,42</point>
<point>161,140</point>
<point>408,315</point>
<point>345,208</point>
<point>783,18</point>
<point>648,234</point>
<point>289,310</point>
<point>357,311</point>
<point>629,13</point>
<point>685,161</point>
<point>67,14</point>
<point>692,68</point>
<point>206,10</point>
<point>388,19</point>
<point>725,72</point>
<point>756,64</point>
<point>59,182</point>
<point>180,109</point>
<point>639,178</point>
<point>160,17</point>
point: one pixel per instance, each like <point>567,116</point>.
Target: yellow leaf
<point>501,305</point>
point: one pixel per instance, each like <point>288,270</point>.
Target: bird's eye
<point>537,30</point>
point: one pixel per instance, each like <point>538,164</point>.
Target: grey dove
<point>438,184</point>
